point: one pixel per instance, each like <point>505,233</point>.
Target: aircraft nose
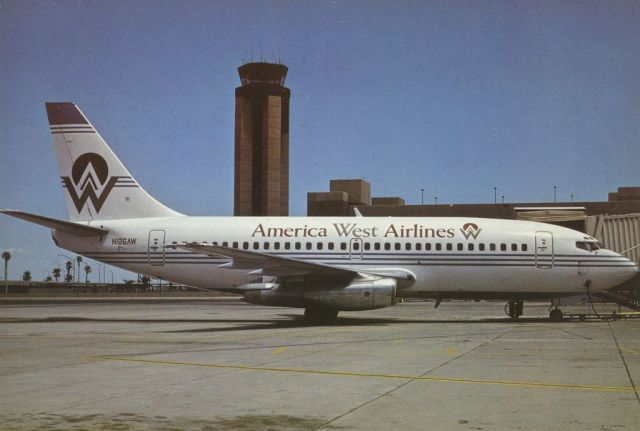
<point>631,269</point>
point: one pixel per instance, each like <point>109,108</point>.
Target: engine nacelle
<point>366,294</point>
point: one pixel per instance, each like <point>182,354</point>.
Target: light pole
<point>111,276</point>
<point>436,199</point>
<point>6,256</point>
<point>554,194</point>
<point>100,265</point>
<point>495,195</point>
<point>571,197</point>
<point>422,196</point>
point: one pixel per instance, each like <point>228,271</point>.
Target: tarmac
<point>226,365</point>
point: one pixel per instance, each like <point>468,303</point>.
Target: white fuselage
<point>452,257</point>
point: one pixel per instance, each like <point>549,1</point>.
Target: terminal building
<point>262,141</point>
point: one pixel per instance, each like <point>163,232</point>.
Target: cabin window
<point>266,246</point>
<point>343,246</point>
<point>355,245</point>
<point>387,246</point>
<point>492,247</point>
<point>309,246</point>
<point>376,246</point>
<point>225,244</point>
<point>460,246</point>
<point>298,246</point>
<point>438,246</point>
<point>427,246</point>
<point>514,247</point>
<point>214,243</point>
<point>256,245</point>
<point>367,246</point>
<point>470,246</point>
<point>481,246</point>
<point>397,246</point>
<point>503,247</point>
<point>419,246</point>
<point>276,246</point>
<point>245,245</point>
<point>523,247</point>
<point>407,246</point>
<point>449,246</point>
<point>330,246</point>
<point>287,246</point>
<point>319,246</point>
<point>235,244</point>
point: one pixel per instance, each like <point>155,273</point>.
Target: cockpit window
<point>588,245</point>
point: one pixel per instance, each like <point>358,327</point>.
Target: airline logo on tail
<point>90,181</point>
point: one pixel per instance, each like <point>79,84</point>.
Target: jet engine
<point>362,294</point>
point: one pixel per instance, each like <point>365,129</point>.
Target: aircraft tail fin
<point>97,185</point>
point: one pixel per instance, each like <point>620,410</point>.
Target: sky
<point>453,97</point>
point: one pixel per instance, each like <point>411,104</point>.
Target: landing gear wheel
<point>556,315</point>
<point>514,309</point>
<point>320,315</point>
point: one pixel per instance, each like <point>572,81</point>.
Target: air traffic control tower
<point>262,141</point>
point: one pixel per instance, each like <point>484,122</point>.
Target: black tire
<point>320,315</point>
<point>556,315</point>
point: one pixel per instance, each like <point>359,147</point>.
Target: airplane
<point>322,264</point>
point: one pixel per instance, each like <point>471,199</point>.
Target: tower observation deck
<point>262,141</point>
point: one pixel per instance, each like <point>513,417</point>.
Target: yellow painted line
<point>370,375</point>
<point>452,351</point>
<point>279,350</point>
<point>632,351</point>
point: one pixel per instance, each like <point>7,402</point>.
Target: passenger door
<point>544,249</point>
<point>155,249</point>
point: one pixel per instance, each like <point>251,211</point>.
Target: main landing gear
<point>320,314</point>
<point>513,309</point>
<point>556,315</point>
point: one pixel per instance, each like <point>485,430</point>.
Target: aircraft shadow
<point>286,321</point>
<point>297,321</point>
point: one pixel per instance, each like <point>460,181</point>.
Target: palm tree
<point>56,273</point>
<point>6,256</point>
<point>87,270</point>
<point>26,276</point>
<point>78,259</point>
<point>68,266</point>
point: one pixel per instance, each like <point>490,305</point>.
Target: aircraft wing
<point>268,264</point>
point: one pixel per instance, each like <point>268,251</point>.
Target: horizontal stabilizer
<point>59,225</point>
